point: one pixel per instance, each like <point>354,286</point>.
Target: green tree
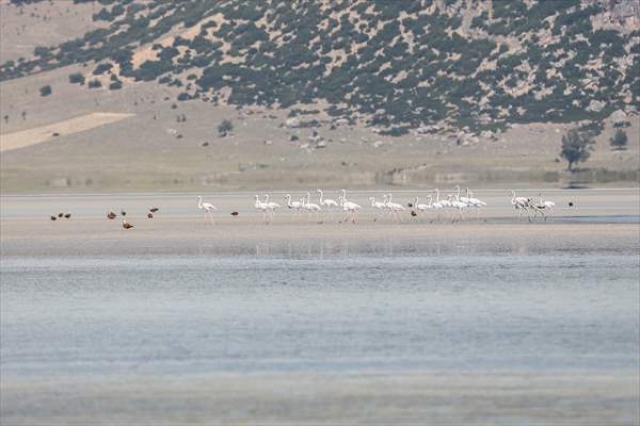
<point>619,140</point>
<point>225,127</point>
<point>576,147</point>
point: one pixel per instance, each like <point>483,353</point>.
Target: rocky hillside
<point>401,65</point>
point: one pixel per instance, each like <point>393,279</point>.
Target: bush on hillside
<point>619,140</point>
<point>76,78</point>
<point>45,90</point>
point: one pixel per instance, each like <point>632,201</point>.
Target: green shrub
<point>619,140</point>
<point>76,78</point>
<point>45,90</point>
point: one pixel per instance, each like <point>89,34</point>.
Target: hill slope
<point>330,93</point>
<point>394,64</point>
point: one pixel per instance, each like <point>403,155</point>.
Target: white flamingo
<point>521,203</point>
<point>473,203</point>
<point>271,205</point>
<point>437,205</point>
<point>543,206</point>
<point>549,205</point>
<point>459,197</point>
<point>294,205</point>
<point>310,207</point>
<point>394,208</point>
<point>461,206</point>
<point>349,207</point>
<point>378,205</point>
<point>420,207</point>
<point>208,209</point>
<point>327,202</point>
<point>444,204</point>
<point>263,208</point>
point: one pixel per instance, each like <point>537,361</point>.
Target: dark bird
<point>123,213</point>
<point>67,215</point>
<point>111,215</point>
<point>154,209</point>
<point>150,215</point>
<point>60,214</point>
<point>409,205</point>
<point>53,217</point>
<point>413,213</point>
<point>126,225</point>
<point>570,203</point>
<point>234,213</point>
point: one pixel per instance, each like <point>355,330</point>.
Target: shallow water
<point>185,314</point>
<point>179,321</point>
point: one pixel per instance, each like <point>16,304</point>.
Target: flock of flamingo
<point>454,206</point>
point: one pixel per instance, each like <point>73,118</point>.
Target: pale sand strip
<point>45,133</point>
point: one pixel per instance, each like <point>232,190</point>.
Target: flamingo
<point>473,202</point>
<point>421,208</point>
<point>328,203</point>
<point>377,205</point>
<point>460,198</point>
<point>311,207</point>
<point>437,205</point>
<point>547,204</point>
<point>457,204</point>
<point>394,208</point>
<point>444,204</point>
<point>208,209</point>
<point>521,203</point>
<point>350,207</point>
<point>296,205</point>
<point>262,207</point>
<point>271,205</point>
<point>543,206</point>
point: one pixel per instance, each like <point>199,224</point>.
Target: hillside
<point>405,78</point>
<point>399,64</point>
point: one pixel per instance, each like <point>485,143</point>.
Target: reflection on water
<point>324,305</point>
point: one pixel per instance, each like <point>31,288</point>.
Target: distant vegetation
<point>76,78</point>
<point>576,147</point>
<point>45,90</point>
<point>619,140</point>
<point>397,64</point>
<point>225,127</point>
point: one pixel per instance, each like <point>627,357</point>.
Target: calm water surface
<point>181,314</point>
